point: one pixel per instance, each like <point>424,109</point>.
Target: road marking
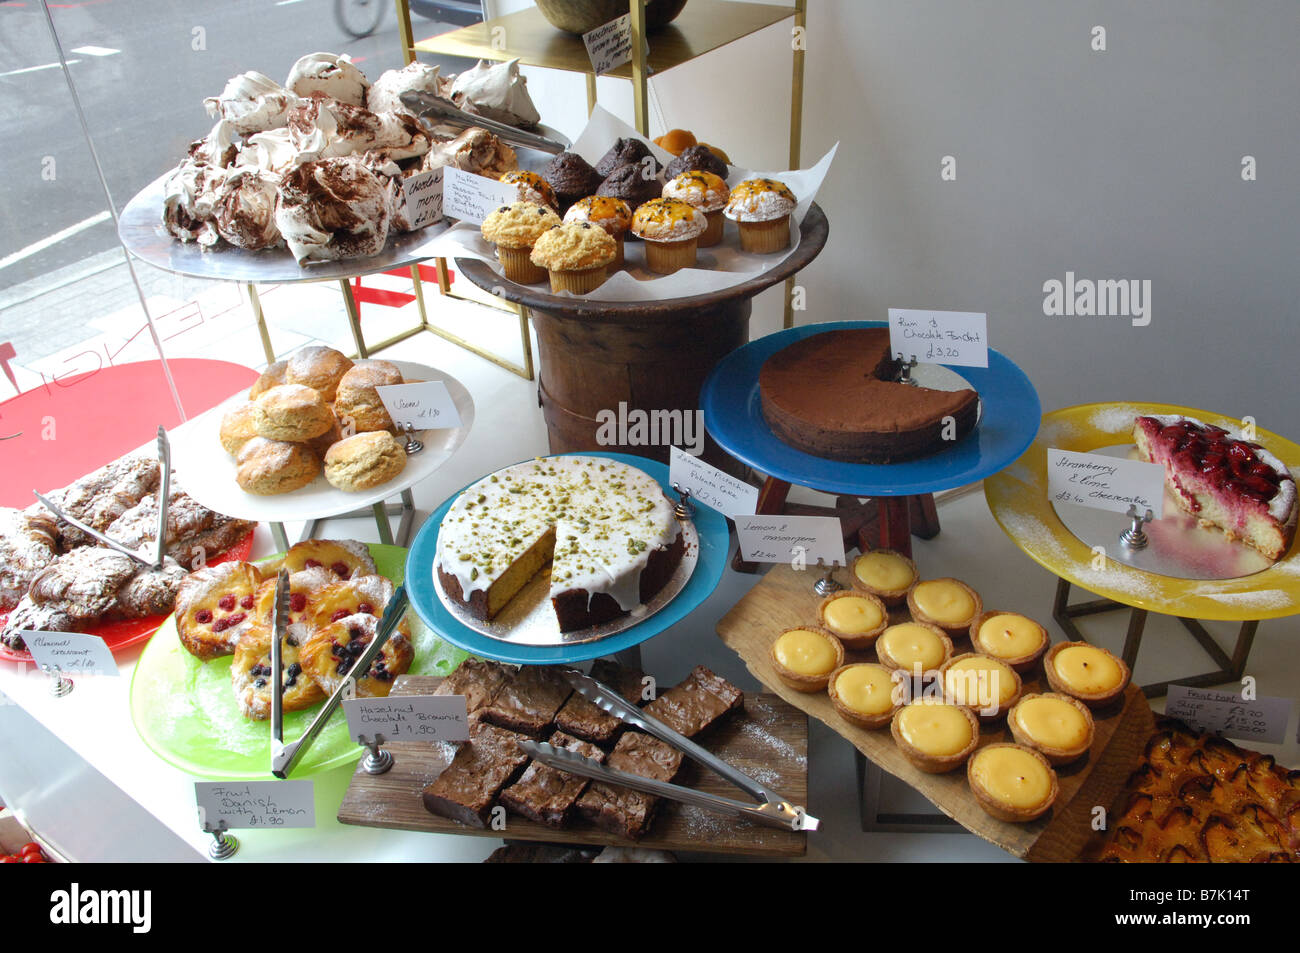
<point>54,239</point>
<point>33,69</point>
<point>95,51</point>
<point>285,3</point>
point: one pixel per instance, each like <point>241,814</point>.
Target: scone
<point>214,607</point>
<point>251,673</point>
<point>292,412</point>
<point>514,229</point>
<point>269,467</point>
<point>329,655</point>
<point>364,460</point>
<point>671,230</point>
<point>577,256</point>
<point>319,368</point>
<point>273,376</point>
<point>237,427</point>
<point>358,402</point>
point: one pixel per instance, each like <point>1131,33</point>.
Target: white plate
<point>208,473</point>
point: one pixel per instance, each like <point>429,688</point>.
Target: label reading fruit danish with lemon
<point>1105,483</point>
<point>279,805</point>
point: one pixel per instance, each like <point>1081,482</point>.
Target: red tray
<point>125,633</point>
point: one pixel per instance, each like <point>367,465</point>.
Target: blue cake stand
<point>733,416</point>
<point>420,585</point>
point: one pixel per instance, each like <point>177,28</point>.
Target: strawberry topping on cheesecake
<point>1233,484</point>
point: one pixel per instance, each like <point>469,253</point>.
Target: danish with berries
<point>365,594</point>
<point>331,653</point>
<point>214,607</point>
<point>304,588</point>
<point>251,673</point>
<point>344,558</point>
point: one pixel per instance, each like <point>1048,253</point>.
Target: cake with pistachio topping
<point>606,528</point>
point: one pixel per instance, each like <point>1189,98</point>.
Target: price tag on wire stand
<point>1105,483</point>
<point>959,338</point>
<point>426,405</point>
<point>409,717</point>
<point>273,805</point>
<point>798,540</point>
<point>71,653</point>
<point>710,486</point>
<point>1262,720</point>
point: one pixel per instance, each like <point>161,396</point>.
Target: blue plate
<point>715,541</point>
<point>733,415</point>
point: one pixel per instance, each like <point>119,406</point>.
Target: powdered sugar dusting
<point>1257,599</point>
<point>762,736</point>
<point>1115,418</point>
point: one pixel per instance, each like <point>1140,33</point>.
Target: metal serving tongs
<point>285,756</point>
<point>772,809</point>
<point>164,494</point>
<point>427,104</point>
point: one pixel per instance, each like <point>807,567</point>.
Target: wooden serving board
<point>784,599</point>
<point>768,741</point>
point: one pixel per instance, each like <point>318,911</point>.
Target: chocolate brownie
<point>478,680</point>
<point>629,183</point>
<point>570,178</point>
<point>695,159</point>
<point>625,152</point>
<point>528,700</point>
<point>620,810</point>
<point>581,718</point>
<point>482,767</point>
<point>697,702</point>
<point>545,794</point>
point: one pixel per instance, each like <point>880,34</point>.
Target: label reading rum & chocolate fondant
<point>939,337</point>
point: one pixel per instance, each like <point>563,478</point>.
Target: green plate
<point>185,709</point>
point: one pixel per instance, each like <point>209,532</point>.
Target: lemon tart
<point>1015,639</point>
<point>804,657</point>
<point>1086,672</point>
<point>864,693</point>
<point>1058,727</point>
<point>935,736</point>
<point>910,644</point>
<point>948,603</point>
<point>987,685</point>
<point>855,618</point>
<point>1012,783</point>
<point>885,574</point>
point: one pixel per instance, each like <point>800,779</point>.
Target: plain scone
<point>357,398</point>
<point>270,467</point>
<point>364,460</point>
<point>291,412</point>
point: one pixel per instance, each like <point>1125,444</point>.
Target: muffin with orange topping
<point>706,192</point>
<point>761,208</point>
<point>576,255</point>
<point>532,188</point>
<point>671,229</point>
<point>611,214</point>
<point>514,229</point>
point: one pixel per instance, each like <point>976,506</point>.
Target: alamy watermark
<point>651,428</point>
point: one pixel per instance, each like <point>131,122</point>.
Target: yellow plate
<point>1018,498</point>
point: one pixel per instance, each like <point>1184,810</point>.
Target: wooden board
<point>768,741</point>
<point>784,599</point>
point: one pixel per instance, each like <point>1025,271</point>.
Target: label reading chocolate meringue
<point>610,44</point>
<point>426,405</point>
<point>423,192</point>
<point>960,338</point>
<point>472,198</point>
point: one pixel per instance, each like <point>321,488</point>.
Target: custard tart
<point>1015,639</point>
<point>1058,727</point>
<point>855,618</point>
<point>987,685</point>
<point>864,693</point>
<point>1086,672</point>
<point>885,574</point>
<point>935,736</point>
<point>947,603</point>
<point>804,657</point>
<point>1012,783</point>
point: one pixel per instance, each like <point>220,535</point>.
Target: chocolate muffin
<point>628,183</point>
<point>571,179</point>
<point>624,151</point>
<point>695,159</point>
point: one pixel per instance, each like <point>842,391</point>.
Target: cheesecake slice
<point>1233,484</point>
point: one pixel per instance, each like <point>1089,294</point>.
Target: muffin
<point>762,207</point>
<point>626,152</point>
<point>671,229</point>
<point>576,255</point>
<point>319,368</point>
<point>631,184</point>
<point>571,178</point>
<point>611,214</point>
<point>706,192</point>
<point>363,461</point>
<point>514,229</point>
<point>532,188</point>
<point>358,401</point>
<point>696,159</point>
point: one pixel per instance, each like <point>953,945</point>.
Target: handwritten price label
<point>940,337</point>
<point>246,804</point>
<point>1105,483</point>
<point>1263,719</point>
<point>712,487</point>
<point>426,405</point>
<point>71,652</point>
<point>787,539</point>
<point>471,198</point>
<point>610,44</point>
<point>417,717</point>
<point>423,195</point>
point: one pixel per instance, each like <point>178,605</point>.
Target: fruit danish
<point>214,607</point>
<point>251,673</point>
<point>344,558</point>
<point>331,652</point>
<point>304,589</point>
<point>365,594</point>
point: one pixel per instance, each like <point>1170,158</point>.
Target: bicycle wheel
<point>359,18</point>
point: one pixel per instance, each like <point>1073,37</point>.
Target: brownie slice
<point>697,702</point>
<point>545,794</point>
<point>528,700</point>
<point>582,719</point>
<point>482,767</point>
<point>620,810</point>
<point>478,680</point>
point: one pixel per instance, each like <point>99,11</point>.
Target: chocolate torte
<point>836,395</point>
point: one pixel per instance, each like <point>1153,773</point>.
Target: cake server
<point>285,756</point>
<point>426,104</point>
<point>769,813</point>
<point>610,701</point>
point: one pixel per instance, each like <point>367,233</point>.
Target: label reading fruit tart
<point>415,717</point>
<point>1105,483</point>
<point>1262,720</point>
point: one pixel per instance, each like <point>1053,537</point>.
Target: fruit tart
<point>344,558</point>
